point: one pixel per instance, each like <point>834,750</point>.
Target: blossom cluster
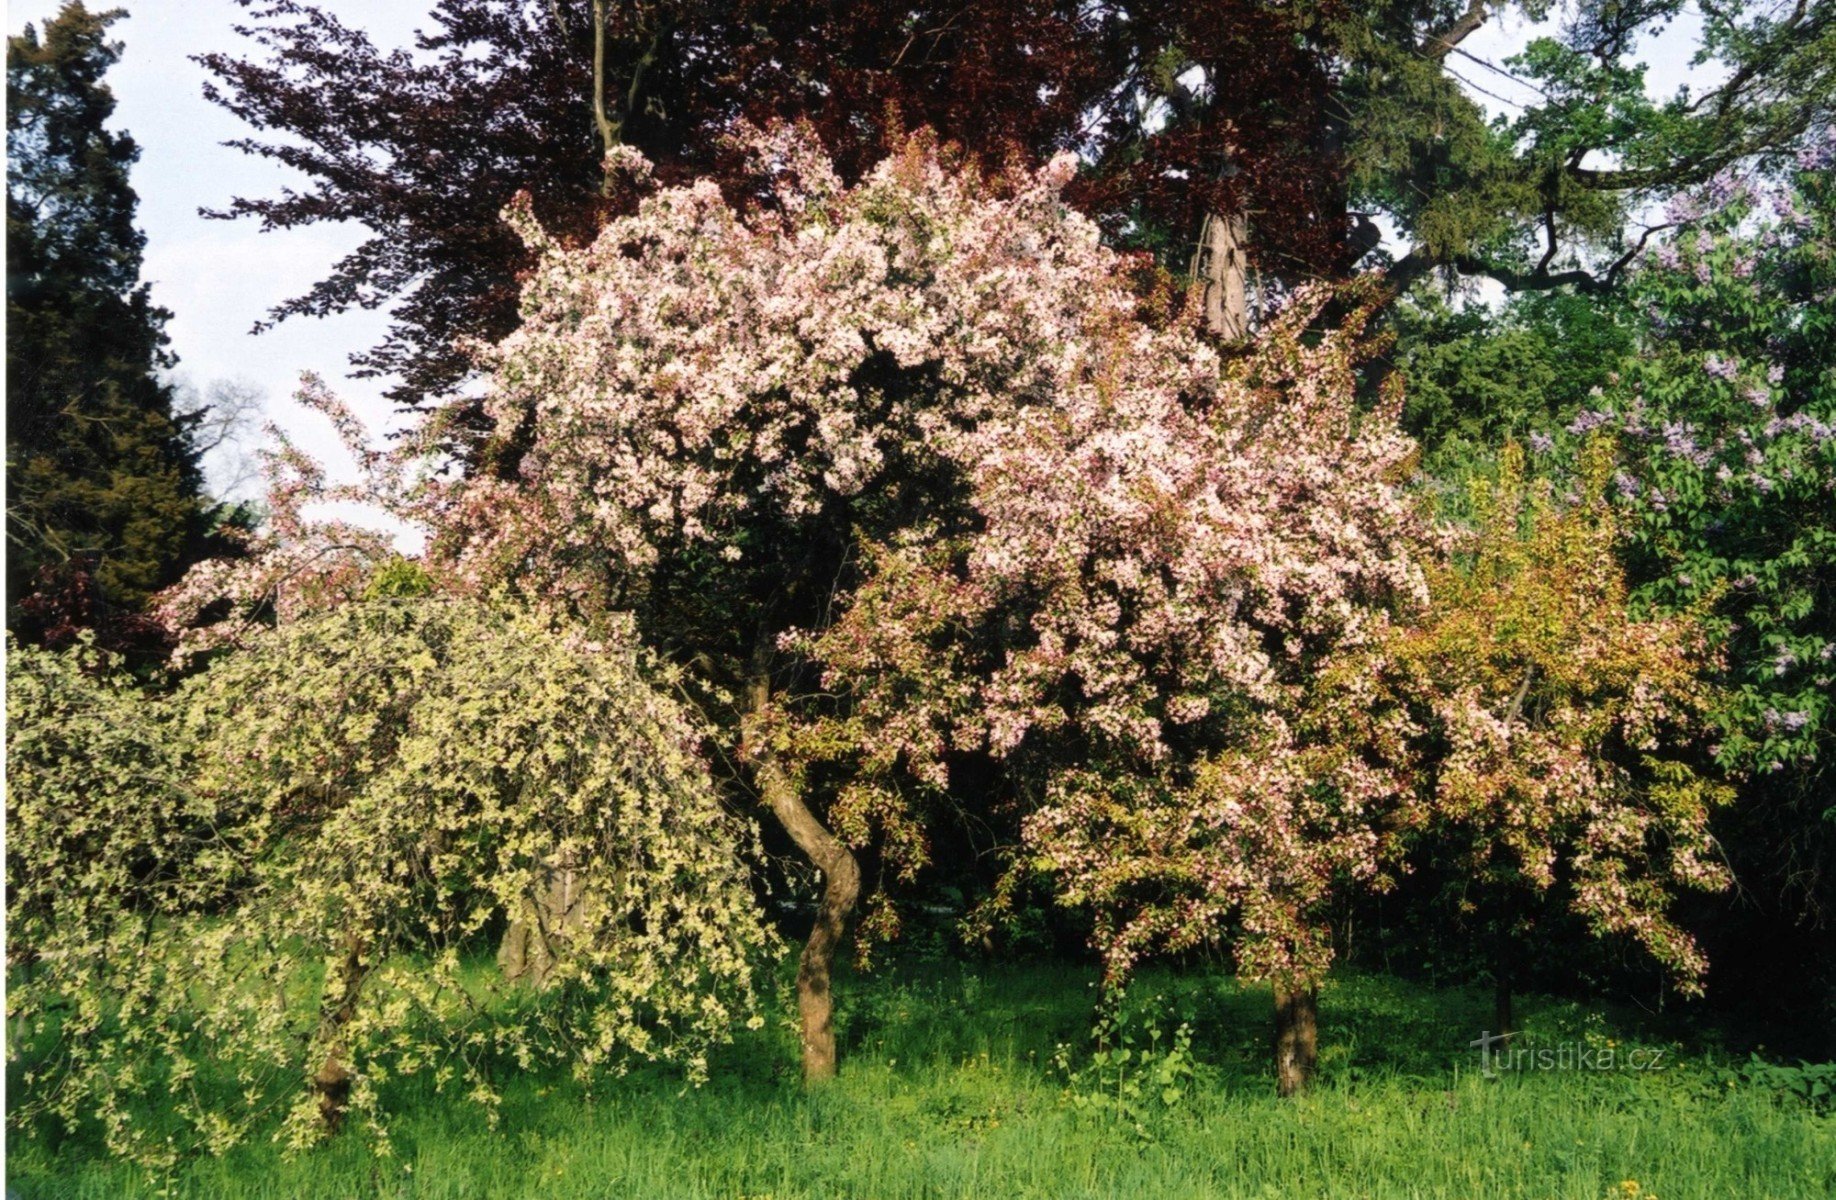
<point>1561,729</point>
<point>297,563</point>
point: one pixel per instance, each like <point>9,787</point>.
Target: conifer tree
<point>102,477</point>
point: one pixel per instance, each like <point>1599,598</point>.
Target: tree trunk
<point>1297,1035</point>
<point>1502,1019</point>
<point>608,133</point>
<point>333,1082</point>
<point>841,889</point>
<point>1221,265</point>
<point>555,913</point>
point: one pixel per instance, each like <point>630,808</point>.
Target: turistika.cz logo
<point>1499,1053</point>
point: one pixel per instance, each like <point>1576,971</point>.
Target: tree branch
<point>1441,44</point>
<point>608,136</point>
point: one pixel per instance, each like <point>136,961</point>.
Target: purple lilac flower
<point>1593,418</point>
<point>1680,440</point>
<point>1721,368</point>
<point>1542,443</point>
<point>1820,154</point>
<point>1683,207</point>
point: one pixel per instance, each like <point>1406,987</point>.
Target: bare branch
<point>1441,44</point>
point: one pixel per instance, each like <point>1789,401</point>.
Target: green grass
<point>949,1089</point>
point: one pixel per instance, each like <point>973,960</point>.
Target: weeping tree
<point>273,895</point>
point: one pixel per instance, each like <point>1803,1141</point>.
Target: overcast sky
<point>219,277</point>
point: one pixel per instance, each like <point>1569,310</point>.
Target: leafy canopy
<point>290,867</point>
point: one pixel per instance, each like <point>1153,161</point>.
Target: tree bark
<point>1221,264</point>
<point>556,912</point>
<point>1503,1021</point>
<point>841,890</point>
<point>333,1082</point>
<point>608,134</point>
<point>1297,1035</point>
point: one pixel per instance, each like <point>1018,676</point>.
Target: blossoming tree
<point>1142,625</point>
<point>1559,734</point>
<point>794,438</point>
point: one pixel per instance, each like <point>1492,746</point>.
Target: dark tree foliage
<point>99,465</point>
<point>424,146</point>
<point>423,149</point>
<point>1552,196</point>
<point>65,602</point>
<point>1303,120</point>
<point>1474,376</point>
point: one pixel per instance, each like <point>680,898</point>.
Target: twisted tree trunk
<point>841,890</point>
<point>546,919</point>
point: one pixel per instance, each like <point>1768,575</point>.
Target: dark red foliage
<point>1257,135</point>
<point>65,600</point>
<point>425,146</point>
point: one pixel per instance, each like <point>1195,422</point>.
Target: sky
<point>219,277</point>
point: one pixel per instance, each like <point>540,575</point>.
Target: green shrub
<point>290,867</point>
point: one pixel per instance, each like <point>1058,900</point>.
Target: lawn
<point>955,1085</point>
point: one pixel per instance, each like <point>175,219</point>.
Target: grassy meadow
<point>962,1081</point>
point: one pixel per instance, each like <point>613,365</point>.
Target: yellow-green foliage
<point>1560,733</point>
<point>300,858</point>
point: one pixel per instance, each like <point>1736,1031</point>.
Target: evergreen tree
<point>102,476</point>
